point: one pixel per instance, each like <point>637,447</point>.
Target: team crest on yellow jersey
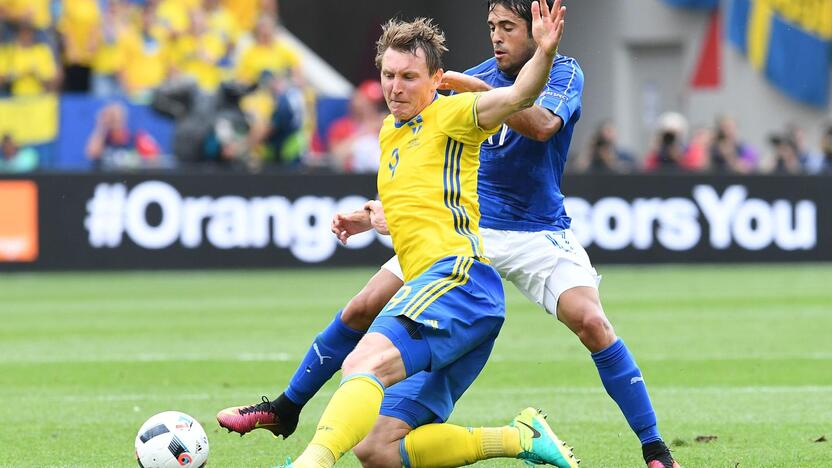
<point>415,124</point>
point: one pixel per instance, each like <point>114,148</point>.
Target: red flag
<point>707,73</point>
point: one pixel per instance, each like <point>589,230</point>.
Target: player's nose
<point>397,87</point>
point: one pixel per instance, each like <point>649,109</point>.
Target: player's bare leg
<point>362,309</point>
<point>580,309</point>
<point>324,358</point>
<point>380,449</point>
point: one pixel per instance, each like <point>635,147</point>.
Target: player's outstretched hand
<point>547,25</point>
<point>377,219</point>
<point>462,83</point>
<point>350,224</point>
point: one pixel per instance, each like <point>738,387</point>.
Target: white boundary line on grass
<point>710,390</point>
<point>287,357</point>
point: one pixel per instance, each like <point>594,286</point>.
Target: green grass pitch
<point>742,354</point>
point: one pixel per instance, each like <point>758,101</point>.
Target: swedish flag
<point>790,42</point>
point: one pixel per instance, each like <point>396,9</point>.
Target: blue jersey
<point>519,178</point>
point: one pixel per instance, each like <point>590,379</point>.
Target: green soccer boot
<point>540,444</point>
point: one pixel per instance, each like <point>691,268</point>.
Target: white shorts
<point>542,264</point>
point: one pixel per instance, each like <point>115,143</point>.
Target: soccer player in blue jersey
<point>526,234</point>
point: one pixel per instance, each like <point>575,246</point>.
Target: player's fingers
<point>535,11</point>
<point>561,14</point>
<point>337,224</point>
<point>554,12</point>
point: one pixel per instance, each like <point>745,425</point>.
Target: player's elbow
<point>544,130</point>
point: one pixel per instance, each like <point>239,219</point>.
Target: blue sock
<point>622,379</point>
<point>323,360</point>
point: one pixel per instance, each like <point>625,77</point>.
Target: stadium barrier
<point>160,221</point>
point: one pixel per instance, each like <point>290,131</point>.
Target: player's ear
<point>436,79</point>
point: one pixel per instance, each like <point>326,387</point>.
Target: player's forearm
<point>535,122</point>
<point>360,221</point>
<point>495,106</point>
<point>531,79</point>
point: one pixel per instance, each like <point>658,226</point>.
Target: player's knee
<point>377,356</point>
<point>595,323</point>
<point>596,331</point>
<point>374,453</point>
<point>584,315</point>
<point>355,363</point>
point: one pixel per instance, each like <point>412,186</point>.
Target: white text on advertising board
<point>226,222</point>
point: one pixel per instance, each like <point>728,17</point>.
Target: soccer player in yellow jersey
<point>447,315</point>
<point>29,65</point>
<point>268,53</point>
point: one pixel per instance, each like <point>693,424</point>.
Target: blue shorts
<point>444,323</point>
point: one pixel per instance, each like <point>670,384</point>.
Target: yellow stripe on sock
<point>463,278</point>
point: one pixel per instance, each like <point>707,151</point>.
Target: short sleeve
<point>457,118</point>
<point>562,94</point>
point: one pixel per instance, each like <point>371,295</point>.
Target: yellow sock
<point>447,445</point>
<point>347,419</point>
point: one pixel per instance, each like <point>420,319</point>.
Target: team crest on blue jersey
<point>415,124</point>
<point>394,162</point>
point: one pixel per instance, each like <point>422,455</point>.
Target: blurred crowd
<point>224,73</point>
<point>130,47</point>
<point>713,149</point>
<point>219,68</point>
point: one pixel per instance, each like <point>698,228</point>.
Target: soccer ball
<point>171,440</point>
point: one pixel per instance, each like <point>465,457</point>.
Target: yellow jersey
<point>245,12</point>
<point>80,24</point>
<point>427,182</point>
<point>277,58</point>
<point>146,62</point>
<point>110,57</point>
<point>36,12</point>
<point>198,57</point>
<point>30,66</point>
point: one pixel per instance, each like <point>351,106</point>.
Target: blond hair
<point>421,33</point>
